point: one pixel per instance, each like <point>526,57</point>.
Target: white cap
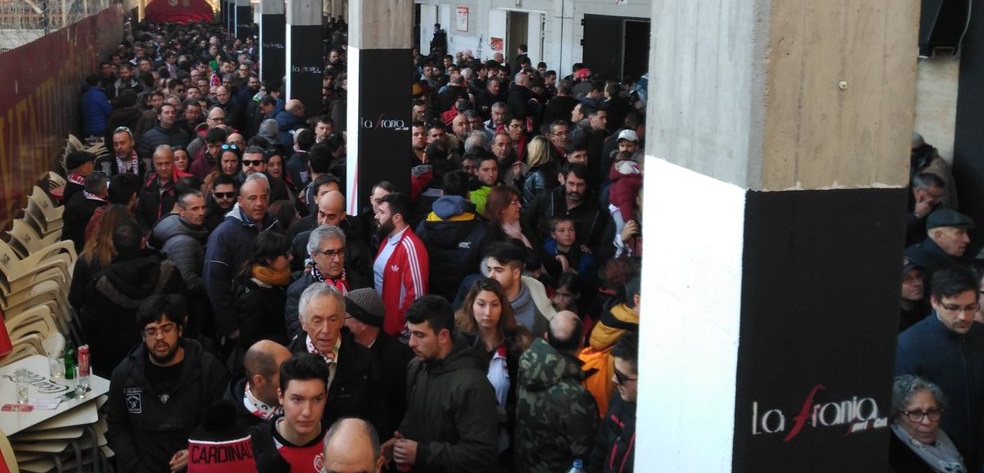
<point>628,135</point>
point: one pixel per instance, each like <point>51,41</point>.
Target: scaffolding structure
<point>23,21</point>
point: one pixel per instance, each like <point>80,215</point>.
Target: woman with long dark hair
<point>487,317</point>
<point>261,291</point>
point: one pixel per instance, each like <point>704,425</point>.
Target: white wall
<point>936,102</point>
<point>562,30</point>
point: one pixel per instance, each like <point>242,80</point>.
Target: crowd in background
<point>482,320</point>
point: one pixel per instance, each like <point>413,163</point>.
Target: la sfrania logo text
<point>857,414</point>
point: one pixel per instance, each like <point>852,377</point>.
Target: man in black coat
<point>79,209</point>
<point>255,392</point>
<point>322,315</point>
<point>364,314</point>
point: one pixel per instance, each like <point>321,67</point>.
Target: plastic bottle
<point>69,360</point>
<point>578,467</point>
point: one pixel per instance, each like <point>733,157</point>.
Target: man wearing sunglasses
<point>254,161</point>
<point>614,448</point>
<point>947,348</point>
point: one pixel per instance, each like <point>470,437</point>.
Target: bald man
<point>255,392</point>
<point>157,196</point>
<point>556,417</point>
<point>331,211</point>
<point>352,446</point>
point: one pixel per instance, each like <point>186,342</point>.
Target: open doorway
<point>517,33</point>
<point>616,47</point>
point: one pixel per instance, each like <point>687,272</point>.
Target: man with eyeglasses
<point>159,392</point>
<point>346,270</point>
<point>558,132</point>
<point>614,448</point>
<point>947,348</point>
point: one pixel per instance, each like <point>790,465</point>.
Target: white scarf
<point>259,408</point>
<point>513,230</point>
<point>941,456</point>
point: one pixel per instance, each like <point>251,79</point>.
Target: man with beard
<point>160,391</point>
<point>401,269</point>
<point>574,200</point>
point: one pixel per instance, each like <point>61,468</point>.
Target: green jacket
<point>556,417</point>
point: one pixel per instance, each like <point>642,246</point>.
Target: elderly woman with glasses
<point>918,444</point>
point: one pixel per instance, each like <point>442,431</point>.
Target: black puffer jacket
<point>451,412</point>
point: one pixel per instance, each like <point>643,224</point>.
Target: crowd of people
<point>484,319</point>
<point>938,395</point>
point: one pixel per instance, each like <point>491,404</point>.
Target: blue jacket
<point>287,122</point>
<point>95,111</point>
<point>956,364</point>
<point>228,249</point>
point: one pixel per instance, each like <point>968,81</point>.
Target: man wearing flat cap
<point>364,314</point>
<point>945,243</point>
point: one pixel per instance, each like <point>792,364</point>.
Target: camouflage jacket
<point>556,417</point>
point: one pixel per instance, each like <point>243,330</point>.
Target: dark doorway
<point>616,47</point>
<point>416,26</point>
<point>517,32</point>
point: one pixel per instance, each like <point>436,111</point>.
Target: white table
<point>70,412</point>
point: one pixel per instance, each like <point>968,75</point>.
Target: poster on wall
<point>496,44</point>
<point>461,19</point>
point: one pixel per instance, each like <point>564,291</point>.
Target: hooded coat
<point>183,243</point>
<point>556,417</point>
<point>455,238</point>
<point>451,412</point>
<point>113,296</point>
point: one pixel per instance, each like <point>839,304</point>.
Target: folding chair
<point>7,454</point>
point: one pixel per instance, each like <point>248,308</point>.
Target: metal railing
<point>23,21</point>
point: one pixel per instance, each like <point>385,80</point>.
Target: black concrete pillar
<point>378,121</point>
<point>305,55</point>
<point>273,40</point>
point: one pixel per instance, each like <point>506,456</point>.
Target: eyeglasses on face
<point>331,253</point>
<point>224,195</point>
<point>917,416</point>
<point>958,309</point>
<point>165,329</point>
<point>252,162</point>
<point>621,377</point>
